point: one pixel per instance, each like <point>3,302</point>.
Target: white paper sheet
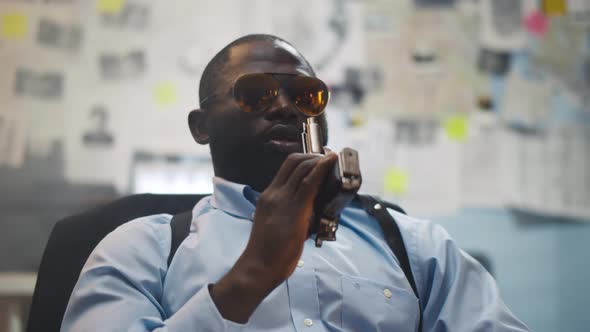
<point>331,36</point>
<point>483,167</point>
<point>527,100</point>
<point>93,162</point>
<point>430,166</point>
<point>551,171</point>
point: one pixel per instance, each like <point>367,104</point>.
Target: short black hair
<point>214,70</point>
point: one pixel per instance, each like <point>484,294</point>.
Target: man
<point>248,263</point>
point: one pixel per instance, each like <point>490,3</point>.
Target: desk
<point>16,290</point>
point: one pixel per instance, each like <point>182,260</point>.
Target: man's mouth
<point>284,138</point>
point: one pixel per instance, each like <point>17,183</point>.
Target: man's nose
<point>282,107</point>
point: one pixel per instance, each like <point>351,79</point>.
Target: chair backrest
<point>73,239</point>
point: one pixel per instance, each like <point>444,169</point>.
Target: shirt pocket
<point>371,306</point>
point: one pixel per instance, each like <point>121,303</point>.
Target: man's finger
<point>310,184</point>
<point>300,172</point>
<point>288,167</point>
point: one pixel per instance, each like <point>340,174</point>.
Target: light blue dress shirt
<point>352,284</point>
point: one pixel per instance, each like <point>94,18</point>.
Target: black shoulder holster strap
<point>393,237</point>
<point>180,226</point>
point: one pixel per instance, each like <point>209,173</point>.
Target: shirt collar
<point>234,199</point>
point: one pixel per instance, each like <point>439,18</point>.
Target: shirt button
<point>300,263</point>
<point>377,206</point>
<point>308,322</point>
<point>387,293</point>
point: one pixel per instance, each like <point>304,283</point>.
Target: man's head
<point>249,147</point>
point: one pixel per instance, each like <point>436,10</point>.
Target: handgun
<point>337,190</point>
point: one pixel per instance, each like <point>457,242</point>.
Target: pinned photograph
<point>12,139</point>
<point>49,85</point>
<point>502,23</point>
<point>352,91</point>
<point>98,135</point>
<point>117,67</point>
<point>493,62</point>
<point>434,3</point>
<point>415,132</point>
<point>507,17</point>
<point>56,35</point>
<point>425,60</point>
<point>132,15</point>
<point>578,12</point>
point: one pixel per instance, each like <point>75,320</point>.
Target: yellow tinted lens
<point>309,94</point>
<point>255,92</point>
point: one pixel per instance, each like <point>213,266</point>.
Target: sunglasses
<point>256,92</point>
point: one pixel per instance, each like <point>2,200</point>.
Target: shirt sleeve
<point>456,291</point>
<point>121,285</point>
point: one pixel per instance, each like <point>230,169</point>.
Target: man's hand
<point>283,215</point>
<point>281,225</point>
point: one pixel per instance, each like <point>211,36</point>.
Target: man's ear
<point>197,122</point>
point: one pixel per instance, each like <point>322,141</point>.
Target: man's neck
<point>258,179</point>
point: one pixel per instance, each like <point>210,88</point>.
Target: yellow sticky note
<point>110,6</point>
<point>14,25</point>
<point>456,128</point>
<point>554,7</point>
<point>396,181</point>
<point>165,94</point>
<point>356,121</point>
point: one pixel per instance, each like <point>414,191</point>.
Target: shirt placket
<point>303,295</point>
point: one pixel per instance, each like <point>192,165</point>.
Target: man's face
<point>256,141</point>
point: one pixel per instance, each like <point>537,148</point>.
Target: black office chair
<point>73,239</point>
